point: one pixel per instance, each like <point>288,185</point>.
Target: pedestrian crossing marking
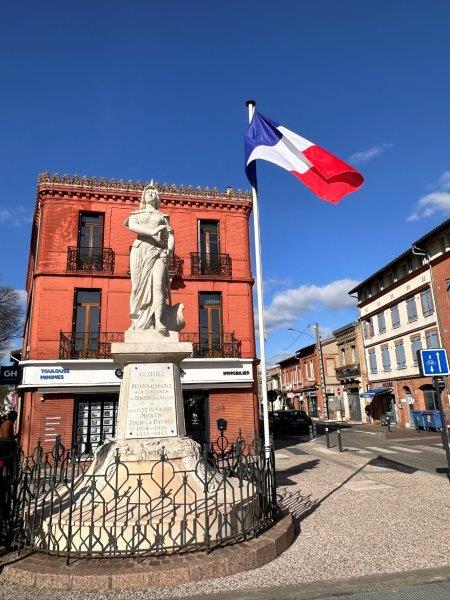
<point>402,449</point>
<point>363,451</point>
<point>432,448</point>
<point>382,450</point>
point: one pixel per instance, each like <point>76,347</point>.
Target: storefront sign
<point>151,408</point>
<point>77,374</point>
<point>10,374</point>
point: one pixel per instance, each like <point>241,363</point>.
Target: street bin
<point>417,416</point>
<point>432,419</point>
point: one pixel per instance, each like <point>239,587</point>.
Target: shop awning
<point>376,392</point>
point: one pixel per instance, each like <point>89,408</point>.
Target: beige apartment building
<point>399,314</point>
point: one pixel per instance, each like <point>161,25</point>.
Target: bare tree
<point>11,316</point>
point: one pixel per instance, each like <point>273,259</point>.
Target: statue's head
<point>150,196</point>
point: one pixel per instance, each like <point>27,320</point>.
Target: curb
<point>314,590</point>
<point>51,572</point>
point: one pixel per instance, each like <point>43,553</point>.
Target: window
<point>343,357</point>
<point>416,344</point>
<point>310,370</point>
<point>368,328</point>
<point>395,316</point>
<point>372,361</point>
<point>330,367</point>
<point>403,270</point>
<point>427,302</point>
<point>430,399</point>
<point>381,323</point>
<point>448,286</point>
<point>210,322</point>
<point>90,241</point>
<point>95,420</point>
<point>392,277</point>
<point>400,354</point>
<point>385,358</point>
<point>379,285</point>
<point>432,338</point>
<point>411,309</point>
<point>353,352</point>
<point>86,322</point>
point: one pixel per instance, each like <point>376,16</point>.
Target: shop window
<point>95,420</point>
<point>411,309</point>
<point>432,338</point>
<point>372,361</point>
<point>416,344</point>
<point>427,302</point>
<point>395,316</point>
<point>385,358</point>
<point>400,354</point>
<point>381,322</point>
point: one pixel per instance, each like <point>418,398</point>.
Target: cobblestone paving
<point>354,517</point>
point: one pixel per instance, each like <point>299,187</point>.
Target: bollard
<point>327,433</point>
<point>339,440</point>
<point>311,434</point>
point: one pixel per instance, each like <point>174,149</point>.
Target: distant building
<point>403,307</point>
<point>351,372</point>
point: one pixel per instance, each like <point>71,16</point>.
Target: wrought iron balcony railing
<point>175,266</point>
<point>90,259</point>
<point>213,345</point>
<point>217,265</point>
<point>84,345</point>
<point>348,371</point>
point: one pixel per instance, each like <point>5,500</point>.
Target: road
<point>401,449</point>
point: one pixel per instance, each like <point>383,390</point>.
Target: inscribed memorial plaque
<point>151,401</point>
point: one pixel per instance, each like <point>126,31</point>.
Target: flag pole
<point>260,299</point>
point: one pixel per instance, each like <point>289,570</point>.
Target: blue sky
<point>141,89</point>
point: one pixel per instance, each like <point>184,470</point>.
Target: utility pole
<point>322,384</point>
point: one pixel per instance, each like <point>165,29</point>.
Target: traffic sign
<point>433,362</point>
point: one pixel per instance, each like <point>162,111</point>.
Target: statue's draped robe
<point>146,266</point>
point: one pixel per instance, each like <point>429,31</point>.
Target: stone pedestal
<point>150,401</point>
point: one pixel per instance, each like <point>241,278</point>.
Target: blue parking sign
<point>433,362</point>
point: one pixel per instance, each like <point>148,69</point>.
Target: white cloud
<point>22,296</point>
<point>366,155</point>
<point>436,202</point>
<point>287,306</point>
<point>18,216</point>
<point>444,181</point>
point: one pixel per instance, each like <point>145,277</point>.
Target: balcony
<point>211,265</point>
<point>98,345</point>
<point>87,346</point>
<point>175,266</point>
<point>213,345</point>
<point>348,371</point>
<point>90,259</point>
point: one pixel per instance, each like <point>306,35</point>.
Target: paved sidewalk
<point>355,518</point>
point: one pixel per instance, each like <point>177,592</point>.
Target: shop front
<point>382,400</point>
<point>78,400</point>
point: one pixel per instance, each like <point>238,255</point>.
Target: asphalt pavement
<point>407,449</point>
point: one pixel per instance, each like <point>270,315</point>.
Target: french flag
<point>326,175</point>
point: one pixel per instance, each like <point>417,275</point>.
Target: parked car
<point>289,421</point>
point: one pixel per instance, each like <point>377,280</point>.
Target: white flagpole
<point>260,297</point>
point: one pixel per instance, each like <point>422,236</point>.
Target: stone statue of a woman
<point>150,281</point>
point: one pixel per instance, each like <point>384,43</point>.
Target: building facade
<point>78,286</point>
<point>351,372</point>
<point>405,307</point>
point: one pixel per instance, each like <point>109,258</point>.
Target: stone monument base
<point>146,496</point>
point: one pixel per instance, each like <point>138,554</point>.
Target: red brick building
<point>78,288</point>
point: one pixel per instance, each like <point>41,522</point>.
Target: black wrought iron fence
<point>60,505</point>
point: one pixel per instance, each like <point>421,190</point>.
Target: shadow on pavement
<point>283,477</point>
<point>388,463</point>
